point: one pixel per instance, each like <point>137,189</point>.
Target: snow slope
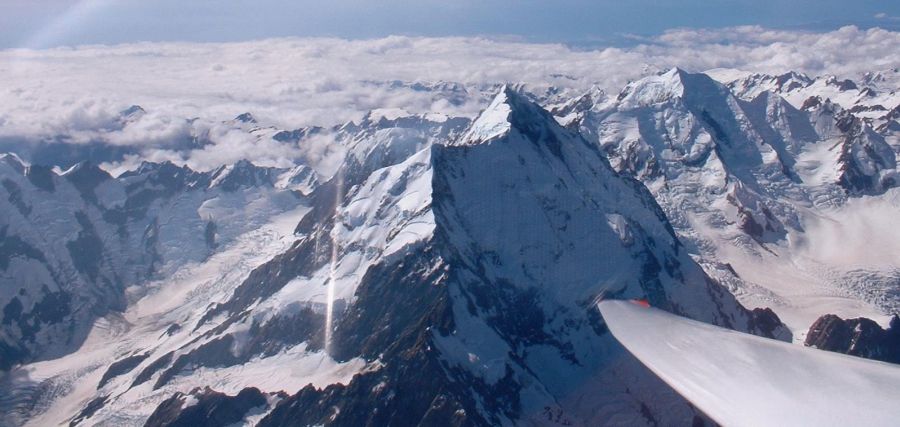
<point>51,392</point>
<point>768,196</point>
<point>744,380</point>
<point>171,338</point>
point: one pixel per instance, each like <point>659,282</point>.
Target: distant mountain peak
<point>654,89</point>
<point>673,84</point>
<point>245,118</point>
<point>842,85</point>
<point>15,161</point>
<point>751,86</point>
<point>133,111</point>
<point>86,170</point>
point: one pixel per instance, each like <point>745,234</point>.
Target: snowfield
<point>75,376</point>
<point>744,380</point>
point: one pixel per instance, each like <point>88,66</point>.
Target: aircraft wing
<point>740,379</point>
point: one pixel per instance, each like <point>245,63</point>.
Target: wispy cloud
<point>885,17</point>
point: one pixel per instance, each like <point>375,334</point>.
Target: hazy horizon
<point>581,23</point>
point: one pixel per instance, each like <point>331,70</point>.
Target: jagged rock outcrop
<point>207,408</point>
<point>857,337</point>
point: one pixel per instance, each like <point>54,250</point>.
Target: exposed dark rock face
<point>243,174</point>
<point>207,408</point>
<point>61,152</point>
<point>263,339</point>
<point>152,368</point>
<point>209,234</point>
<point>42,177</point>
<point>370,329</point>
<point>296,134</point>
<point>245,118</point>
<point>265,280</point>
<point>857,337</point>
<point>864,154</point>
<point>267,339</point>
<point>12,246</point>
<point>16,197</point>
<point>87,249</point>
<point>766,323</point>
<point>150,240</point>
<point>846,84</point>
<point>89,410</point>
<point>214,353</point>
<point>86,177</point>
<point>120,367</point>
<point>811,103</point>
<point>52,308</point>
<point>414,385</point>
<point>414,392</point>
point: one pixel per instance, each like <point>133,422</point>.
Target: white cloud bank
<point>296,82</point>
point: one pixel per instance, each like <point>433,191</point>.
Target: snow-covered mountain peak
<point>881,79</point>
<point>384,115</point>
<point>567,112</point>
<point>14,161</point>
<point>164,168</point>
<point>387,118</point>
<point>509,111</point>
<point>241,173</point>
<point>842,85</point>
<point>167,175</point>
<point>751,86</point>
<point>792,78</point>
<point>654,89</point>
<point>677,119</point>
<point>301,178</point>
<point>492,122</point>
<point>869,98</point>
<point>673,84</point>
<point>86,176</point>
<point>80,167</point>
<point>245,118</point>
<point>131,113</point>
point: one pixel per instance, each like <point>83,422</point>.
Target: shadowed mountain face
<point>484,315</point>
<point>440,271</point>
<point>71,242</point>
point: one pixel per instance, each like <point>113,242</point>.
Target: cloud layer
<point>291,83</point>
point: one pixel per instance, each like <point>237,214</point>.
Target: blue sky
<point>42,23</point>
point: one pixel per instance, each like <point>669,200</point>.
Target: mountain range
<point>445,270</point>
